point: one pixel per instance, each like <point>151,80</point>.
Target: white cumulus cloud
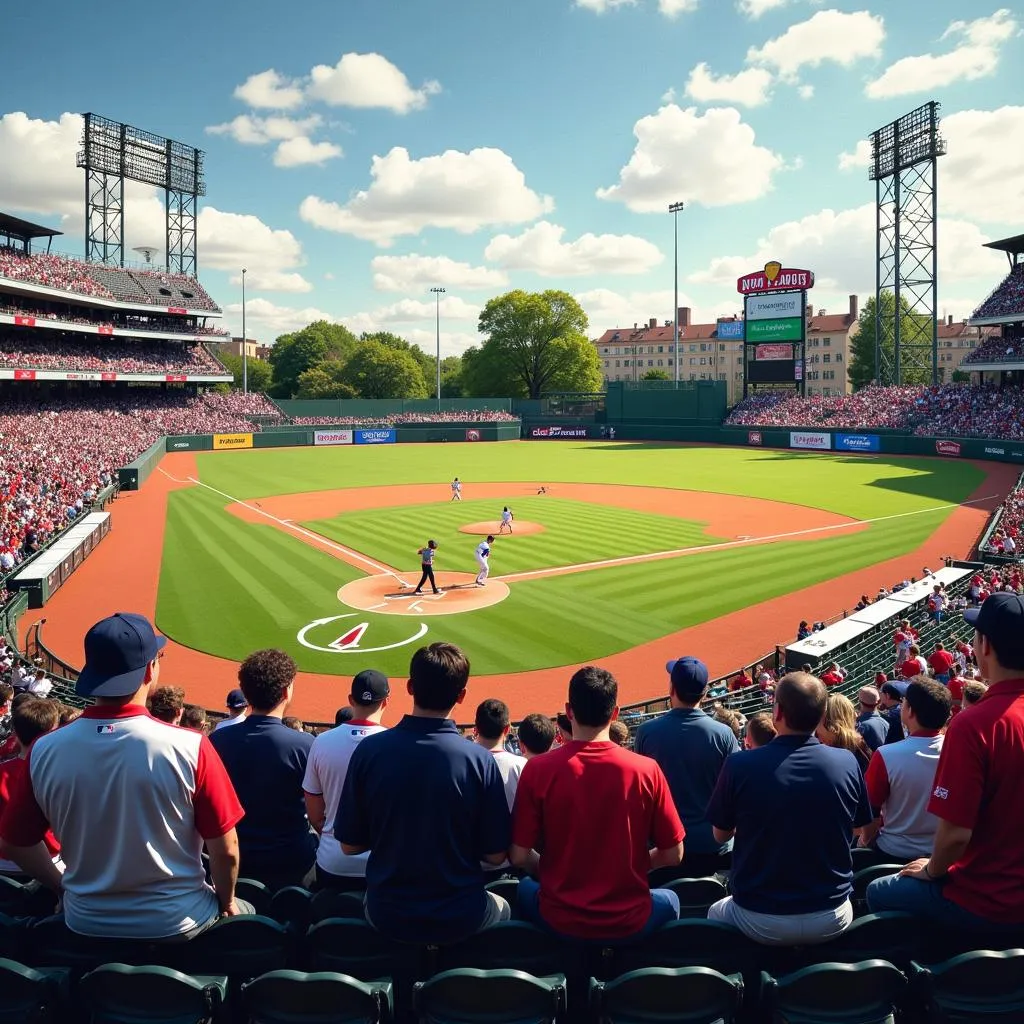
<point>459,191</point>
<point>301,152</point>
<point>367,80</point>
<point>411,272</point>
<point>749,88</point>
<point>258,131</point>
<point>826,37</point>
<point>711,158</point>
<point>860,157</point>
<point>270,90</point>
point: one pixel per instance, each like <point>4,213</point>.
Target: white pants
<point>485,569</point>
<point>784,929</point>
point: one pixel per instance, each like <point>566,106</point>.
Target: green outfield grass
<point>228,587</point>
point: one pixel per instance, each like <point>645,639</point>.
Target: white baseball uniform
<point>483,556</point>
<point>456,490</point>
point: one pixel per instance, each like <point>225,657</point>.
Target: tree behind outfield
<point>655,375</point>
<point>861,367</point>
<point>536,342</point>
<point>325,380</point>
<point>260,373</point>
<point>294,354</point>
<point>379,371</point>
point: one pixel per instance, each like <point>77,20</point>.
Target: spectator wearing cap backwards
<point>890,707</point>
<point>870,724</point>
<point>132,801</point>
<point>267,763</point>
<point>974,876</point>
<point>690,748</point>
<point>326,769</point>
<point>238,708</point>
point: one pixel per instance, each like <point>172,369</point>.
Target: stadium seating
<point>997,350</point>
<point>1007,299</point>
<point>980,985</point>
<point>398,419</point>
<point>122,320</point>
<point>291,997</point>
<point>655,994</point>
<point>113,356</point>
<point>468,996</point>
<point>863,993</point>
<point>118,993</point>
<point>28,996</point>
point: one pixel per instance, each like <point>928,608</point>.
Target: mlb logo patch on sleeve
<point>104,728</point>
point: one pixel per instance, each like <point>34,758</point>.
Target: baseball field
<point>633,554</point>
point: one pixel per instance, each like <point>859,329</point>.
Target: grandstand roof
<point>24,230</point>
<point>1014,246</point>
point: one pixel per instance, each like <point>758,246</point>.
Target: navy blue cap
<point>117,652</point>
<point>370,686</point>
<point>236,700</point>
<point>689,676</point>
<point>895,688</point>
<point>1000,619</point>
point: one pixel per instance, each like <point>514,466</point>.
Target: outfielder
<point>483,560</point>
<point>506,520</point>
<point>456,489</point>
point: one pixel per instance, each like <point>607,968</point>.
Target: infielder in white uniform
<point>506,520</point>
<point>483,560</point>
<point>456,489</point>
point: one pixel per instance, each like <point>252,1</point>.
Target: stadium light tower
<point>675,209</point>
<point>438,292</point>
<point>245,346</point>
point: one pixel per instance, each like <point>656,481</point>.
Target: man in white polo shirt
<point>325,777</point>
<point>132,800</point>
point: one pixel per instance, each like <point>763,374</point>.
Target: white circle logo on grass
<point>349,637</point>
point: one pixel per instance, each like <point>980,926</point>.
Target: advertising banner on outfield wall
<point>774,307</point>
<point>332,437</point>
<point>948,447</point>
<point>388,436</point>
<point>472,435</point>
<point>858,443</point>
<point>223,441</point>
<point>754,437</point>
<point>820,442</point>
<point>558,433</point>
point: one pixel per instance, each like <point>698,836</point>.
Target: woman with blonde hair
<point>839,729</point>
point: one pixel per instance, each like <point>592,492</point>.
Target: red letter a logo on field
<point>350,639</point>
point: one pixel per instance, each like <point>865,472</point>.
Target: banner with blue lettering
<point>858,443</point>
<point>383,436</point>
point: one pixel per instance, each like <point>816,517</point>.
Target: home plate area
<point>385,595</point>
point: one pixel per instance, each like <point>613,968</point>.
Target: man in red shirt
<point>833,676</point>
<point>974,877</point>
<point>942,663</point>
<point>915,665</point>
<point>602,818</point>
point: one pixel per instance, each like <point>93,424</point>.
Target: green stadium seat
<point>469,996</point>
<point>894,936</point>
<point>515,945</point>
<point>833,993</point>
<point>329,903</point>
<point>696,895</point>
<point>687,995</point>
<point>690,943</point>
<point>507,889</point>
<point>983,985</point>
<point>119,994</point>
<point>240,947</point>
<point>254,893</point>
<point>863,877</point>
<point>25,899</point>
<point>51,943</point>
<point>292,906</point>
<point>292,997</point>
<point>351,947</point>
<point>29,996</point>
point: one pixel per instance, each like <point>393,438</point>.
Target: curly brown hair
<point>166,702</point>
<point>265,677</point>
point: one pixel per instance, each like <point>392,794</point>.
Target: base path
<point>123,573</point>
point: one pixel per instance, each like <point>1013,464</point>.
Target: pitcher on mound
<point>506,520</point>
<point>483,560</point>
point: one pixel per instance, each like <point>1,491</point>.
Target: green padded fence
<point>135,474</point>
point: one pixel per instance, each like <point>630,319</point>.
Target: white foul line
<point>289,525</point>
<point>722,545</point>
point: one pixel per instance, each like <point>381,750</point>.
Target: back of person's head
<point>20,698</point>
<point>729,718</point>
<point>265,677</point>
<point>68,715</point>
<point>294,723</point>
<point>593,696</point>
<point>33,718</point>
<point>914,650</point>
<point>194,717</point>
<point>564,725</point>
<point>166,703</point>
<point>800,701</point>
<point>438,676</point>
<point>6,693</point>
<point>536,734</point>
<point>618,733</point>
<point>343,715</point>
<point>839,724</point>
<point>930,701</point>
<point>760,729</point>
<point>974,691</point>
<point>492,719</point>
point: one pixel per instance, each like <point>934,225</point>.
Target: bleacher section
<point>1007,299</point>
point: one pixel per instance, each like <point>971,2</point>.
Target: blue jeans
<point>664,909</point>
<point>926,900</point>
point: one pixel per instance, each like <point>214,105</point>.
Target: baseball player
<point>483,560</point>
<point>427,565</point>
<point>506,520</point>
<point>456,489</point>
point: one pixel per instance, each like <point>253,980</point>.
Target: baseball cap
<point>881,679</point>
<point>370,686</point>
<point>867,695</point>
<point>118,650</point>
<point>236,700</point>
<point>689,676</point>
<point>895,689</point>
<point>1001,620</point>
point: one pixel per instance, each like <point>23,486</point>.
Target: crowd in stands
<point>997,350</point>
<point>107,355</point>
<point>1006,537</point>
<point>123,322</point>
<point>65,273</point>
<point>405,418</point>
<point>1007,299</point>
<point>958,410</point>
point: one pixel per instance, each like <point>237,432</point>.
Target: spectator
<point>870,724</point>
<point>267,762</point>
<point>194,717</point>
<point>536,735</point>
<point>38,684</point>
<point>238,709</point>
<point>166,703</point>
<point>343,715</point>
<point>618,733</point>
<point>690,747</point>
<point>563,724</point>
<point>973,692</point>
<point>890,707</point>
<point>34,718</point>
<point>760,730</point>
<point>326,769</point>
<point>833,675</point>
<point>838,728</point>
<point>915,665</point>
<point>491,731</point>
<point>291,722</point>
<point>974,877</point>
<point>428,807</point>
<point>68,715</point>
<point>901,776</point>
<point>792,802</point>
<point>941,663</point>
<point>602,818</point>
<point>117,772</point>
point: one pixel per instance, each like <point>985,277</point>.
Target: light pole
<point>675,209</point>
<point>438,292</point>
<point>245,346</point>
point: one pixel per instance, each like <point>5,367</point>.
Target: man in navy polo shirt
<point>793,806</point>
<point>975,874</point>
<point>690,748</point>
<point>429,807</point>
<point>267,763</point>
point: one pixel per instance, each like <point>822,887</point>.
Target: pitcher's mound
<point>520,526</point>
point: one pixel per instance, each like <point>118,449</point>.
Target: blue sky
<point>363,150</point>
